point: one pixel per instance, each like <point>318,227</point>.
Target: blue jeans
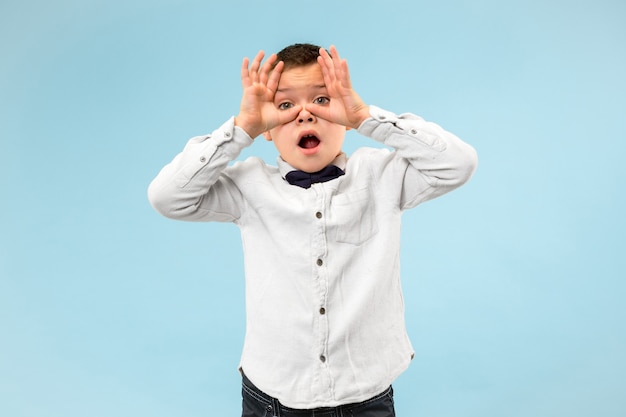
<point>258,404</point>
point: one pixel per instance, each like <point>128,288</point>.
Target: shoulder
<point>252,167</point>
<point>369,155</point>
<point>377,164</point>
<point>252,163</point>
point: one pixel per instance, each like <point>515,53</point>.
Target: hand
<point>345,107</point>
<point>257,112</point>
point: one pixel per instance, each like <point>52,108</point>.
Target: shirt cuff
<point>228,132</point>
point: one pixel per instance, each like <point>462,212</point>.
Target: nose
<point>305,116</point>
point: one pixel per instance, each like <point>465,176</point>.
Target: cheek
<point>340,135</point>
<point>281,141</point>
<point>278,136</point>
<point>273,134</point>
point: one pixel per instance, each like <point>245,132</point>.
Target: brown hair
<point>299,55</point>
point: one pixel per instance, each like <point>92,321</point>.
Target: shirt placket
<point>319,258</point>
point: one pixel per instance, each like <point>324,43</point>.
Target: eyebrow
<point>317,87</point>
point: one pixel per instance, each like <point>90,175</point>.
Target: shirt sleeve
<point>194,186</point>
<point>430,160</point>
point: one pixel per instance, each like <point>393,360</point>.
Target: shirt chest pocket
<point>353,216</point>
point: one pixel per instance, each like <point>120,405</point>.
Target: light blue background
<point>514,284</point>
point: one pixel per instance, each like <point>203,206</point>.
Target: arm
<point>428,161</point>
<point>195,185</point>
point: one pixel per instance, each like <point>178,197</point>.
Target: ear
<point>267,136</point>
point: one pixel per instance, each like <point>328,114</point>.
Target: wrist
<point>363,115</point>
<point>247,126</point>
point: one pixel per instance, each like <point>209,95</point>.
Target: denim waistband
<point>277,409</point>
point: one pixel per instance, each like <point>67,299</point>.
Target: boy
<point>325,332</point>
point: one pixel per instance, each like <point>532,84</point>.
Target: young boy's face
<point>307,143</point>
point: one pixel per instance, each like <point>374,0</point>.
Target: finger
<point>254,68</point>
<point>321,112</point>
<point>345,74</point>
<point>245,75</point>
<point>324,55</point>
<point>325,61</point>
<point>326,65</point>
<point>266,68</point>
<point>336,60</point>
<point>286,116</point>
<point>322,65</point>
<point>274,77</point>
<point>342,73</point>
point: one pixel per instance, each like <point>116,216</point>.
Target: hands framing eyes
<point>346,107</point>
<point>258,113</point>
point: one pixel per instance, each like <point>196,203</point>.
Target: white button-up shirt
<point>324,309</point>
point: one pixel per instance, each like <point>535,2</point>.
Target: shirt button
<point>318,215</point>
<point>322,310</point>
<point>320,262</point>
<point>202,159</point>
<point>226,134</point>
<point>323,358</point>
<point>414,131</point>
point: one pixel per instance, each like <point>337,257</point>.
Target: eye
<point>321,100</point>
<point>285,106</point>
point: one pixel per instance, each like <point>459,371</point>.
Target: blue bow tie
<point>305,179</point>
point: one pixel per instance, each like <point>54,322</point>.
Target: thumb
<point>289,115</point>
<point>319,111</point>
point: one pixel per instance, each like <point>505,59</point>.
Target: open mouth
<point>308,142</point>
